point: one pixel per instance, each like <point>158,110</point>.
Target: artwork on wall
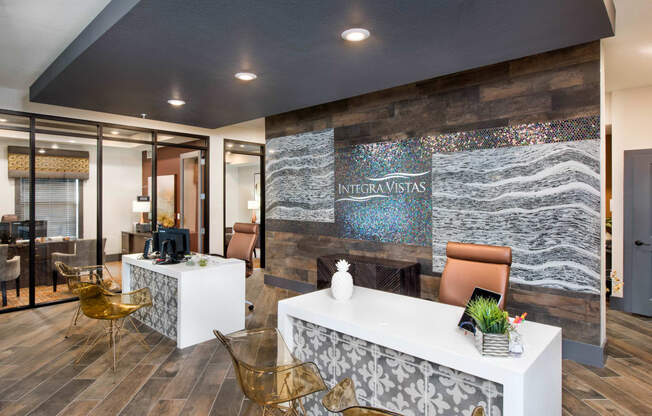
<point>299,177</point>
<point>166,198</point>
<point>382,192</point>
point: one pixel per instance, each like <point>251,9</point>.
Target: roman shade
<point>53,164</point>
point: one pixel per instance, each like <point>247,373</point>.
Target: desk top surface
<point>418,327</point>
<point>180,269</point>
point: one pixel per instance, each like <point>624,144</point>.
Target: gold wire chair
<point>86,275</point>
<point>342,399</point>
<point>268,373</point>
<point>115,309</point>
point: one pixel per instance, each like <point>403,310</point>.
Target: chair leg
<point>251,304</point>
<point>18,287</point>
<point>3,285</point>
<point>89,345</point>
<point>112,332</point>
<point>54,280</point>
<point>139,336</point>
<point>73,322</point>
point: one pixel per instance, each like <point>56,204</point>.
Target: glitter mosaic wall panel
<point>542,200</point>
<point>382,192</point>
<point>299,177</point>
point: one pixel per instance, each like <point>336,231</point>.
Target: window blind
<point>57,202</point>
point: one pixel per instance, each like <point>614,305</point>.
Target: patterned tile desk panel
<point>162,316</point>
<point>389,379</point>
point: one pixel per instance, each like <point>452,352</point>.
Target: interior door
<point>638,232</point>
<point>191,198</point>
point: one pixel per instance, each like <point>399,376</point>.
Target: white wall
<point>122,182</point>
<point>253,131</point>
<point>239,190</point>
<point>631,111</point>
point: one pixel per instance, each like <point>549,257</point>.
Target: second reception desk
<point>407,354</point>
<point>189,301</point>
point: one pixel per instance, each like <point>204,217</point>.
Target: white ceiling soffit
<point>34,32</point>
<point>628,55</point>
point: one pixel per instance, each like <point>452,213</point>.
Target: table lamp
<point>253,206</point>
<point>140,207</point>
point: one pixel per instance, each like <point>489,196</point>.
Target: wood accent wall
<point>561,84</point>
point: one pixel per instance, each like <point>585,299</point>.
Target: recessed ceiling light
<point>3,120</point>
<point>242,145</point>
<point>41,151</point>
<point>355,35</point>
<point>271,151</point>
<point>246,76</point>
<point>176,103</point>
<point>114,132</point>
<point>228,153</point>
<point>229,145</point>
<point>71,141</point>
<point>55,146</point>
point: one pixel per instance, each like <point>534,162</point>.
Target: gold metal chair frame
<point>277,381</point>
<point>115,309</point>
<point>85,275</point>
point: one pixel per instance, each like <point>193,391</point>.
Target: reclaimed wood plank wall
<point>561,84</point>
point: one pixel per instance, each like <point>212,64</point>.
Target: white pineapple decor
<point>342,282</point>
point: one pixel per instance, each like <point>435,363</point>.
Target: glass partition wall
<point>244,191</point>
<point>80,192</point>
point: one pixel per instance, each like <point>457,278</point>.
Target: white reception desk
<point>189,301</point>
<point>396,328</point>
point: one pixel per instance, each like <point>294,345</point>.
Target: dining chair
<point>84,254</point>
<point>113,309</point>
<point>268,373</point>
<point>78,276</point>
<point>474,265</point>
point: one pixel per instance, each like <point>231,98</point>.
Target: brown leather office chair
<point>242,246</point>
<point>474,265</point>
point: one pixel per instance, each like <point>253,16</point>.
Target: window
<point>58,201</point>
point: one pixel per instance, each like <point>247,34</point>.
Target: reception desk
<point>189,301</point>
<point>406,354</point>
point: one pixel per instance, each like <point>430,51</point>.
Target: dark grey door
<point>638,232</point>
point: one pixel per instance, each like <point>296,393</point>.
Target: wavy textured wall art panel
<point>299,177</point>
<point>542,200</point>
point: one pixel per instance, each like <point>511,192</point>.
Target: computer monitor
<point>180,237</point>
<point>20,229</point>
<point>5,232</point>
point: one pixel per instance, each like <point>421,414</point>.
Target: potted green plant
<point>491,327</point>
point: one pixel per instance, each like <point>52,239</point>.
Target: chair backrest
<point>9,218</point>
<point>71,274</point>
<point>474,265</point>
<point>342,399</point>
<point>243,242</point>
<point>236,364</point>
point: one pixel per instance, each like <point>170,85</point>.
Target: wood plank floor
<point>38,375</point>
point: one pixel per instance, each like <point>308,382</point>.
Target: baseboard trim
<point>617,303</point>
<point>113,257</point>
<point>294,285</point>
<point>589,354</point>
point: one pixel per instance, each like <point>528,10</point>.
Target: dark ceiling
<point>138,54</point>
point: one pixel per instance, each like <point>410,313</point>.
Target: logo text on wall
<point>391,184</point>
